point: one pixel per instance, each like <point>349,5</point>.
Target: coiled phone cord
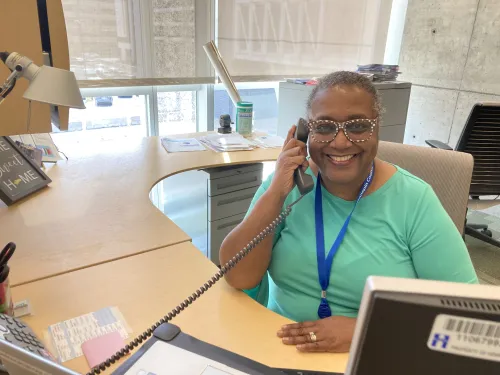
<point>188,301</point>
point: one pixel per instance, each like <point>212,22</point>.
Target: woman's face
<point>342,161</point>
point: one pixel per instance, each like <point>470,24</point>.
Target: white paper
<point>182,144</point>
<point>466,337</point>
<point>165,359</point>
<point>227,142</point>
<point>68,336</point>
<point>269,141</point>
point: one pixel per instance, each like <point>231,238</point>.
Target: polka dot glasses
<point>358,130</point>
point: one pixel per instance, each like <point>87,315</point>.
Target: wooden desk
<point>147,286</point>
<point>97,209</point>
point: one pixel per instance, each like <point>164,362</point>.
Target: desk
<point>97,209</point>
<point>147,286</point>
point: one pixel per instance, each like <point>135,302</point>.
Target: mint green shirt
<point>400,230</point>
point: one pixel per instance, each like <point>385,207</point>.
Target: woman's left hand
<point>332,334</point>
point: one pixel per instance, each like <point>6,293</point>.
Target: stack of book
<point>380,72</point>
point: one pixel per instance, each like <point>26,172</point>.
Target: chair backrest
<point>448,172</point>
<point>481,138</point>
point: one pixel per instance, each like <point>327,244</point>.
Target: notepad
<point>99,349</point>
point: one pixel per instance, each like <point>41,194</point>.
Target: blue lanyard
<point>325,265</point>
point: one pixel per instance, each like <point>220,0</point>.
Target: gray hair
<point>346,78</point>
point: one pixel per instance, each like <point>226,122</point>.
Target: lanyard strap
<point>325,265</point>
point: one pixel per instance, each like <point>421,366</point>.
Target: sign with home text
<point>19,175</point>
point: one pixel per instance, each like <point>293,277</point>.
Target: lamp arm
<point>9,84</point>
<point>19,66</point>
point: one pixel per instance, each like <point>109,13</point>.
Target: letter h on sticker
<point>442,339</point>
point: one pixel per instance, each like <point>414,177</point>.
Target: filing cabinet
<point>230,191</point>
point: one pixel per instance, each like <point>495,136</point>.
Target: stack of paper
<point>269,141</point>
<point>380,72</point>
<point>227,142</point>
<point>181,144</point>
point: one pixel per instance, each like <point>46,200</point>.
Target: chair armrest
<point>438,144</point>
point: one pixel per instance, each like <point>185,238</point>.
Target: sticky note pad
<point>99,349</point>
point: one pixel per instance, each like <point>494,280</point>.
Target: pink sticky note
<point>101,348</point>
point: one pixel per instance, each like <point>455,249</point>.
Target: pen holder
<point>6,304</point>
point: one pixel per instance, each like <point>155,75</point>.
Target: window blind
<point>301,37</point>
<point>133,39</point>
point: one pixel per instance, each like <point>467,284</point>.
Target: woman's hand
<point>332,334</point>
<point>292,157</point>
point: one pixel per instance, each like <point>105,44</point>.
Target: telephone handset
<point>305,184</point>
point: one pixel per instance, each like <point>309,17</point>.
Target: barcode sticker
<point>466,337</point>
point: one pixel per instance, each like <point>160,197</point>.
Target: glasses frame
<point>342,125</point>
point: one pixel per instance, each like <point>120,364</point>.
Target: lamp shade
<point>55,86</point>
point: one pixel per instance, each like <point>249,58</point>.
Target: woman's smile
<point>342,160</point>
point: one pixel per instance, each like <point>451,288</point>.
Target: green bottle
<point>244,118</point>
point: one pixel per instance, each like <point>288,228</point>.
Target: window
<point>111,39</point>
<point>176,112</point>
<point>105,118</point>
<point>263,95</point>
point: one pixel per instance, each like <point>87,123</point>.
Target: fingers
<point>299,333</point>
<point>318,346</point>
<point>296,329</point>
<point>290,141</point>
<point>307,324</point>
<point>290,134</point>
<point>294,151</point>
<point>305,165</point>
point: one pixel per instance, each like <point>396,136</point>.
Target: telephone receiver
<point>304,182</point>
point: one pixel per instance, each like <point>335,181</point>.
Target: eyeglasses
<point>358,130</point>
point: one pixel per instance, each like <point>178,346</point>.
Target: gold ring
<point>312,335</point>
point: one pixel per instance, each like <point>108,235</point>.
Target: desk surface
<point>147,286</point>
<point>97,209</point>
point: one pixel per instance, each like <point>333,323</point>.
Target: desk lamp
<point>47,84</point>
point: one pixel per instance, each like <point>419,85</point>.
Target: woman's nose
<point>341,141</point>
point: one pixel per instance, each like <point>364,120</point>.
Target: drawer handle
<point>236,199</point>
<point>245,181</point>
<point>232,223</point>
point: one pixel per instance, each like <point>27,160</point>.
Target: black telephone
<point>304,183</point>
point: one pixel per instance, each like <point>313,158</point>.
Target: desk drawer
<point>230,204</point>
<point>217,231</point>
<point>233,183</point>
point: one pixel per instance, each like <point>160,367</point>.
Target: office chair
<point>481,138</point>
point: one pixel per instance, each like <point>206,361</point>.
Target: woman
<point>398,227</point>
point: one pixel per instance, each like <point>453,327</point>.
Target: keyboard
<point>16,332</point>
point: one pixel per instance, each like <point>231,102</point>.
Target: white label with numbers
<point>466,337</point>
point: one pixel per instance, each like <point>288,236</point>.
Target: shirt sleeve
<point>437,248</point>
<point>262,189</point>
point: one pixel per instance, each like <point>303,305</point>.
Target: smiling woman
<point>365,217</point>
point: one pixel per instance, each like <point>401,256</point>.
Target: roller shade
<point>133,39</point>
<point>301,37</point>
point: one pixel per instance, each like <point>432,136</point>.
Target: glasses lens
<point>324,130</point>
<point>359,130</point>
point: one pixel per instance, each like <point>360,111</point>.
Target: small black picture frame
<point>15,163</point>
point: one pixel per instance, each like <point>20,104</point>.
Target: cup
<point>6,304</point>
